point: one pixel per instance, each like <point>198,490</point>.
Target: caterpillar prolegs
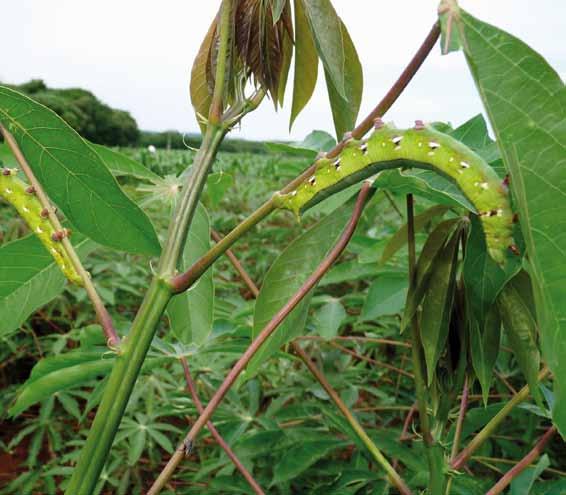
<point>23,198</point>
<point>420,147</point>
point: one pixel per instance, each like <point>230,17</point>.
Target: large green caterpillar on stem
<point>420,147</point>
<point>23,198</point>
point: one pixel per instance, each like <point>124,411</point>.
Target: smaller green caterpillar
<point>23,198</point>
<point>420,147</point>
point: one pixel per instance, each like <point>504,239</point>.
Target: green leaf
<point>200,85</point>
<point>329,318</point>
<point>306,63</point>
<point>287,274</point>
<point>57,373</point>
<point>386,296</point>
<point>75,178</point>
<point>216,186</point>
<point>120,164</point>
<point>523,484</point>
<point>29,278</point>
<point>433,245</point>
<point>400,237</point>
<point>345,108</point>
<point>425,183</point>
<point>526,99</point>
<point>521,332</point>
<point>485,338</point>
<point>7,159</point>
<point>137,444</point>
<point>437,304</point>
<point>326,27</point>
<point>191,313</point>
<point>315,142</point>
<point>473,133</point>
<point>300,457</point>
<point>484,278</point>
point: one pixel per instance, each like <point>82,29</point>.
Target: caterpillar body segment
<point>419,147</point>
<point>23,198</point>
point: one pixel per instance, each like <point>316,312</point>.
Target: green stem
<point>392,475</point>
<point>128,364</point>
<point>420,385</point>
<point>493,424</point>
<point>120,384</point>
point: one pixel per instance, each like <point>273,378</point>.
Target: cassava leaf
<point>345,107</point>
<point>306,63</point>
<point>289,271</point>
<point>29,278</point>
<point>120,164</point>
<point>437,303</point>
<point>75,178</point>
<point>525,100</point>
<point>191,313</point>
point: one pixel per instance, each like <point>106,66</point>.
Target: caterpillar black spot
<point>23,198</point>
<point>420,147</point>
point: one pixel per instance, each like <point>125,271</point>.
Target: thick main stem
<point>214,432</point>
<point>128,365</point>
<point>118,389</point>
<point>392,474</point>
<point>102,314</point>
<point>177,457</point>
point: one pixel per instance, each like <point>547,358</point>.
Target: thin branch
<point>102,314</point>
<point>182,282</point>
<point>361,357</point>
<point>392,474</point>
<point>459,428</point>
<point>355,338</point>
<point>489,428</point>
<point>237,265</point>
<point>415,333</point>
<point>214,432</point>
<point>523,464</point>
<point>460,421</point>
<point>262,337</point>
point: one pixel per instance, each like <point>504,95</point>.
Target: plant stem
<point>361,357</point>
<point>416,340</point>
<point>355,338</point>
<point>102,314</point>
<point>214,432</point>
<point>392,475</point>
<point>237,265</point>
<point>261,338</point>
<point>523,464</point>
<point>459,427</point>
<point>489,428</point>
<point>128,365</point>
<point>184,281</point>
<point>118,389</point>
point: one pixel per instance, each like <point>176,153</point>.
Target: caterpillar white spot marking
<point>433,145</point>
<point>312,180</point>
<point>465,164</point>
<point>397,139</point>
<point>364,148</point>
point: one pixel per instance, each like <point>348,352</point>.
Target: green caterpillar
<point>421,147</point>
<point>23,198</point>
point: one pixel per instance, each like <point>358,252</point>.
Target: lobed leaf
<point>75,178</point>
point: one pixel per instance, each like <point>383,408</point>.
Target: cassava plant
<point>481,263</point>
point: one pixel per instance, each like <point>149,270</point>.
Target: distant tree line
<point>85,113</point>
<point>101,124</point>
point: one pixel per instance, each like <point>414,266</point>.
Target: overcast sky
<point>136,55</point>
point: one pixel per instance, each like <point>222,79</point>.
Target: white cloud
<point>136,55</point>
